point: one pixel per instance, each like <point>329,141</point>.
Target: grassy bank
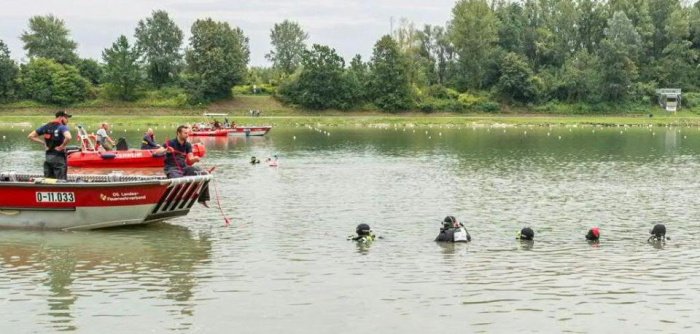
<point>276,114</point>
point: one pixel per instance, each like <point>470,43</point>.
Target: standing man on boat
<point>103,138</point>
<point>148,142</point>
<point>56,137</point>
<point>179,152</point>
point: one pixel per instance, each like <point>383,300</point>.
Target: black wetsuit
<point>448,235</point>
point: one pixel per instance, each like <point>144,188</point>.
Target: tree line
<point>215,60</point>
<point>490,53</point>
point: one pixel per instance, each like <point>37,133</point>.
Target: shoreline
<point>370,120</point>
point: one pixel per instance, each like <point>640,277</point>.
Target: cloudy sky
<point>349,26</point>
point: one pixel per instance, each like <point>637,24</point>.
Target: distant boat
<point>213,128</point>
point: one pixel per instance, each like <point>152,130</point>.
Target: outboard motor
<point>122,145</point>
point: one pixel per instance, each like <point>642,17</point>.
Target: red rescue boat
<point>88,155</point>
<point>212,128</point>
<point>94,201</point>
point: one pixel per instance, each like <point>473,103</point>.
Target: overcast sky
<point>349,26</point>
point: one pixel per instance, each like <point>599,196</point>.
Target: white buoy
<point>430,137</point>
<point>547,134</point>
<point>525,132</point>
<point>3,137</point>
<point>22,130</point>
<point>440,134</point>
<point>559,137</point>
<point>684,137</point>
<point>653,133</point>
<point>295,137</point>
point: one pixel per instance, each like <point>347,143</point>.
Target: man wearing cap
<point>56,137</point>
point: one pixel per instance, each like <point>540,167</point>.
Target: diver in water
<point>526,234</point>
<point>658,233</point>
<point>453,231</point>
<point>364,234</point>
<point>254,161</point>
<point>593,234</point>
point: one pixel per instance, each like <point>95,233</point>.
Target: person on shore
<point>364,234</point>
<point>178,152</point>
<point>56,137</point>
<point>526,234</point>
<point>593,234</point>
<point>148,142</point>
<point>453,231</point>
<point>103,139</point>
<point>658,233</point>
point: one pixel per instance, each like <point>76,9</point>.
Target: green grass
<point>277,114</point>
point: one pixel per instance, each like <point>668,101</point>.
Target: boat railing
<point>79,178</point>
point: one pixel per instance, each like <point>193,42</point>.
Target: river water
<point>285,266</point>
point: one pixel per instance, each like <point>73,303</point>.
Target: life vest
<point>460,235</point>
<point>51,134</point>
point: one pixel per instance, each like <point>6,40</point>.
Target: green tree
<point>617,54</point>
<point>216,59</point>
<point>389,85</point>
<point>159,40</point>
<point>49,38</point>
<point>579,78</point>
<point>591,23</point>
<point>474,33</point>
<point>322,82</point>
<point>122,71</point>
<point>288,40</point>
<point>46,81</point>
<point>511,29</point>
<point>677,65</point>
<point>91,70</point>
<point>8,75</point>
<point>517,81</point>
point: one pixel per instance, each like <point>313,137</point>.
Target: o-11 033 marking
<point>55,197</point>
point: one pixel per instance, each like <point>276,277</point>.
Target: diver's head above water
<point>593,234</point>
<point>526,234</point>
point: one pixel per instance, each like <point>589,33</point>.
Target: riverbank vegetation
<point>579,57</point>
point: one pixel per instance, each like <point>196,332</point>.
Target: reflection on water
<point>86,273</point>
<point>285,264</point>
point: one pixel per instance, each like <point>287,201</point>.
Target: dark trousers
<point>175,172</point>
<point>55,166</point>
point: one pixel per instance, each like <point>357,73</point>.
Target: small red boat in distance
<point>88,155</point>
<point>213,128</point>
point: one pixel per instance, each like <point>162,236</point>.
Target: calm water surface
<point>285,266</point>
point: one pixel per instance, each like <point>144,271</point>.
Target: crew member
<point>148,142</point>
<point>179,151</point>
<point>364,234</point>
<point>526,234</point>
<point>593,234</point>
<point>453,231</point>
<point>56,137</point>
<point>103,139</point>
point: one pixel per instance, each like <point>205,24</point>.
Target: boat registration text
<point>55,197</point>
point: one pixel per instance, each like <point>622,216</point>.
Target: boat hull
<point>88,204</point>
<point>117,159</point>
